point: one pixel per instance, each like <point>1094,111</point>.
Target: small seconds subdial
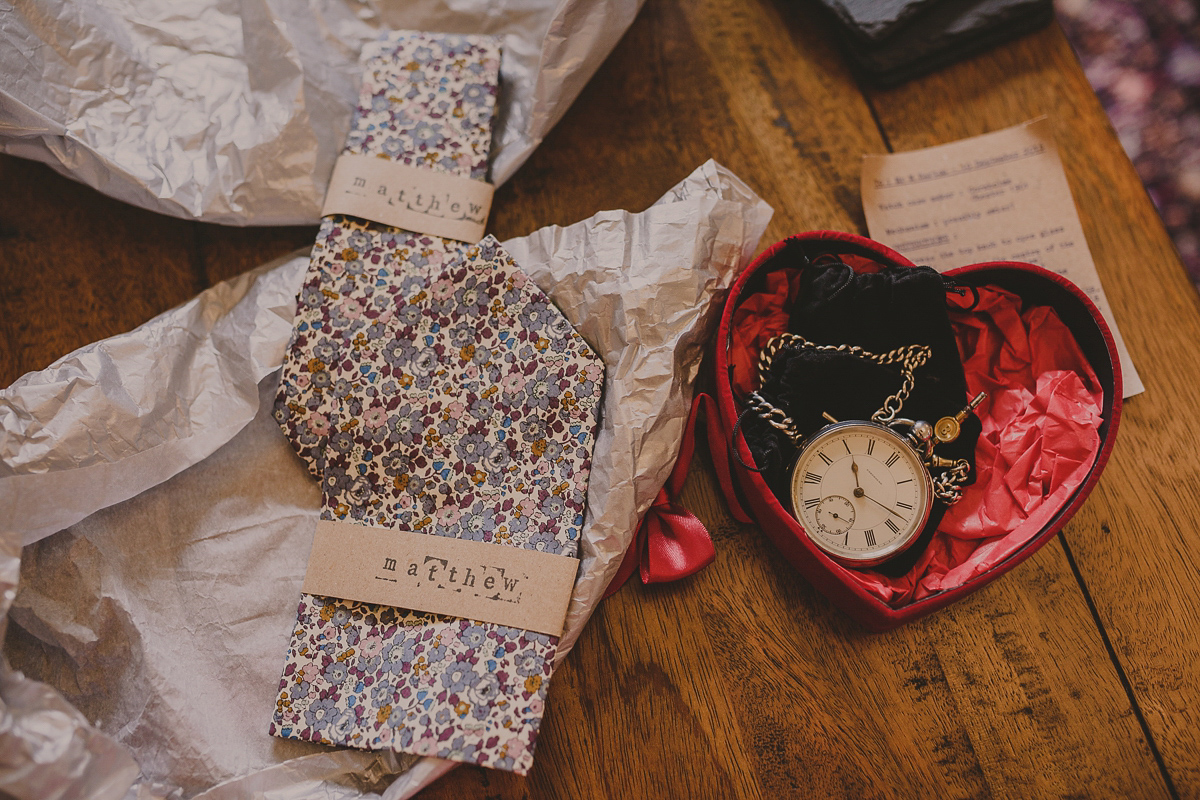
<point>835,515</point>
<point>860,492</point>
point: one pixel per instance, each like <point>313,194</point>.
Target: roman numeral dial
<point>860,492</point>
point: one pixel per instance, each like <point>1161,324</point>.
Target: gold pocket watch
<point>863,490</point>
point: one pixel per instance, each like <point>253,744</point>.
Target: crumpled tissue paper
<point>234,112</point>
<point>162,604</point>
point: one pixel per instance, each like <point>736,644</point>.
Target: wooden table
<point>1074,675</point>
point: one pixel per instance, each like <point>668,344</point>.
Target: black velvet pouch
<point>877,311</point>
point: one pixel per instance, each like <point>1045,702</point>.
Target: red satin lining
<point>671,542</point>
<point>756,321</point>
<point>1040,430</point>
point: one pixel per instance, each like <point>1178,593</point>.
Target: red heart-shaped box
<point>1035,287</point>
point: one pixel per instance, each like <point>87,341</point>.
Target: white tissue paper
<point>162,604</point>
<point>234,112</point>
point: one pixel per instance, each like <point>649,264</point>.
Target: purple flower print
<point>472,448</point>
<point>425,362</point>
<point>459,676</point>
<point>485,689</point>
<point>469,299</point>
<point>408,314</point>
<point>459,750</point>
<point>479,523</point>
<point>473,636</point>
<point>381,693</point>
<point>534,316</point>
<point>533,429</point>
<point>321,713</point>
<point>530,662</point>
<point>559,327</point>
<point>545,540</point>
<point>425,426</point>
<point>497,457</point>
<point>553,507</point>
<point>543,390</point>
<point>427,135</point>
<point>475,93</point>
<point>336,673</point>
<point>360,491</point>
<point>393,146</point>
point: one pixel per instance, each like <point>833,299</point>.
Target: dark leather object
<point>892,41</point>
<point>875,20</point>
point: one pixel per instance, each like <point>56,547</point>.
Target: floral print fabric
<point>430,386</point>
<point>473,418</point>
<point>427,100</point>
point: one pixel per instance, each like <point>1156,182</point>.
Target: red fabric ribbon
<point>671,542</point>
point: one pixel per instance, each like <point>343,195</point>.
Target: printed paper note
<point>1002,196</point>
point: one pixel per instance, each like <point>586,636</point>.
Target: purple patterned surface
<point>1143,60</point>
<point>430,386</point>
<point>474,419</point>
<point>427,100</point>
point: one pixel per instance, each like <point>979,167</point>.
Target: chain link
<point>909,357</point>
<point>947,486</point>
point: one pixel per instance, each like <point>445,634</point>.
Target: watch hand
<point>881,505</point>
<point>858,490</point>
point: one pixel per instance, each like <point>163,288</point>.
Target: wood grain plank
<point>226,252</point>
<point>1134,541</point>
<point>76,266</point>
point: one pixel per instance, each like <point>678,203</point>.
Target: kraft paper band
<point>511,586</point>
<point>412,198</point>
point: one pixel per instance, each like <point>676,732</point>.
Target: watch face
<point>860,492</point>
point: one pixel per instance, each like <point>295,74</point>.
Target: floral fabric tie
<point>427,101</point>
<point>430,387</point>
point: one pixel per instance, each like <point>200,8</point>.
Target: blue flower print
<point>554,507</point>
<point>459,676</point>
<point>321,713</point>
<point>393,146</point>
<point>393,658</point>
<point>427,135</point>
<point>475,94</point>
<point>472,448</point>
<point>479,523</point>
<point>473,636</point>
